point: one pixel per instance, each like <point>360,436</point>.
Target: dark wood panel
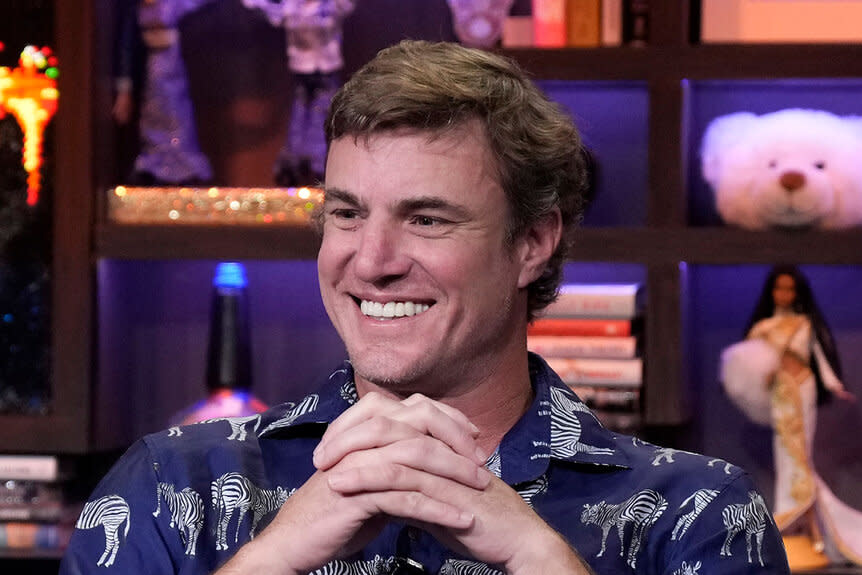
<point>66,428</point>
<point>702,62</point>
<point>206,242</point>
<point>717,246</point>
<point>636,245</point>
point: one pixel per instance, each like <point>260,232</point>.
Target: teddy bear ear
<point>721,134</point>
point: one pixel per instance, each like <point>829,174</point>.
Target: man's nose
<point>380,254</point>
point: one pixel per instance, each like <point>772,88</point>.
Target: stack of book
<point>591,336</point>
<point>33,510</point>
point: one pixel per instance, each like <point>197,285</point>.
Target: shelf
<point>205,242</point>
<point>700,62</point>
<point>715,245</point>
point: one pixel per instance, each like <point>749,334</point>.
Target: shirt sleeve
<point>117,530</point>
<point>727,531</point>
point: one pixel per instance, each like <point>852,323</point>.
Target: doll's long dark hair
<point>805,304</point>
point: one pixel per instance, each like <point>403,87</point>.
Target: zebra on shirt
<point>370,567</point>
<point>293,412</point>
<point>110,511</point>
<point>566,427</point>
<point>238,425</point>
<point>751,518</point>
<point>529,490</point>
<point>701,498</point>
<point>642,510</point>
<point>234,492</point>
<point>688,569</point>
<point>465,567</point>
<point>187,512</point>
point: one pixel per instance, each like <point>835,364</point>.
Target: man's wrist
<point>548,554</point>
<point>257,557</point>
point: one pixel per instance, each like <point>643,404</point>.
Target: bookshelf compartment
<point>612,118</point>
<point>711,99</point>
<point>152,353</point>
<point>719,302</point>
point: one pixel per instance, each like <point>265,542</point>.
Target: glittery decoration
<point>164,205</point>
<point>29,92</point>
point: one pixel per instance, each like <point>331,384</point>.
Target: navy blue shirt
<point>184,500</point>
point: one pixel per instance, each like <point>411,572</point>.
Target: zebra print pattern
<point>750,518</point>
<point>187,512</point>
<point>701,498</point>
<point>727,466</point>
<point>494,463</point>
<point>464,567</point>
<point>307,405</point>
<point>686,569</point>
<point>371,567</point>
<point>566,427</point>
<point>665,453</point>
<point>238,430</point>
<point>110,511</point>
<point>348,392</point>
<point>642,510</point>
<point>234,492</point>
<point>532,489</point>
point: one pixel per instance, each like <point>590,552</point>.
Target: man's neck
<point>493,401</point>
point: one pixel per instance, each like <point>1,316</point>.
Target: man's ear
<point>536,245</point>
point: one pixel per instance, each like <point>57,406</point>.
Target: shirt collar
<point>556,426</point>
<point>334,396</point>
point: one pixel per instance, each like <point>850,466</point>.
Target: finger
<point>447,409</point>
<point>400,466</point>
<point>371,404</point>
<point>425,415</point>
<point>417,506</point>
<point>369,434</point>
<point>419,419</point>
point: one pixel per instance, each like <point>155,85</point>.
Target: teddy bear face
<point>795,168</point>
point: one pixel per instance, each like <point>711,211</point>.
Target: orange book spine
<point>577,326</point>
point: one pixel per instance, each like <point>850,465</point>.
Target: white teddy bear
<point>792,168</point>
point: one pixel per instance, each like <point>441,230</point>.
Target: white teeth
<point>391,309</point>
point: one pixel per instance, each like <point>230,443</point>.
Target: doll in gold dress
<point>785,368</point>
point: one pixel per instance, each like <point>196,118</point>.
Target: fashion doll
<point>793,349</point>
<point>169,153</point>
<point>314,30</point>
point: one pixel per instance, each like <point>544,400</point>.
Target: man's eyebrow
<point>420,203</point>
<point>339,195</point>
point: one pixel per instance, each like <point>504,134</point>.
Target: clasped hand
<point>416,460</point>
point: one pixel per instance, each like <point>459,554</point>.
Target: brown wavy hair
<point>437,86</point>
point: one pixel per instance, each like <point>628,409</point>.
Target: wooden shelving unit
<point>83,236</point>
<point>665,68</point>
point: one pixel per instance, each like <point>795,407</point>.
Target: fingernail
<point>335,480</point>
<point>466,518</point>
<point>317,455</point>
<point>473,428</point>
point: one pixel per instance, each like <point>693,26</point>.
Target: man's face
<point>414,268</point>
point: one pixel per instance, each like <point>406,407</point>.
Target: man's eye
<point>426,220</point>
<point>343,214</point>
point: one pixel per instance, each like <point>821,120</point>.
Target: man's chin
<point>385,371</point>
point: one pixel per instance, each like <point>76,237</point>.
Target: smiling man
<point>441,446</point>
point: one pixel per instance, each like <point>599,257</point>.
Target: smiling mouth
<point>391,309</point>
